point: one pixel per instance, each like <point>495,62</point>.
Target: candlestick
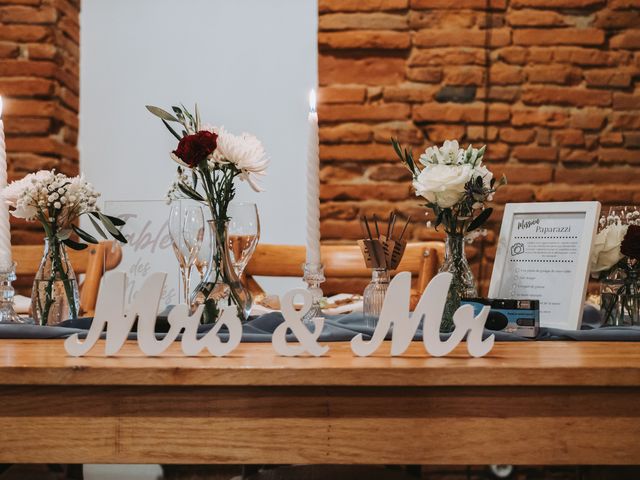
<point>5,229</point>
<point>313,185</point>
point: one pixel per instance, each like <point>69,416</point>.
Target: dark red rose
<point>630,246</point>
<point>192,149</point>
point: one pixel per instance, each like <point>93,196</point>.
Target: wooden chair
<point>344,266</point>
<point>92,262</point>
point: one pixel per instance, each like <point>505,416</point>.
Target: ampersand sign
<point>293,321</point>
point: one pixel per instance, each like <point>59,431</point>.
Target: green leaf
<point>84,235</point>
<point>173,132</point>
<point>396,147</point>
<point>163,114</point>
<point>197,117</point>
<point>118,222</point>
<point>480,219</point>
<point>64,234</point>
<point>74,245</point>
<point>111,228</point>
<point>190,192</point>
<point>98,228</point>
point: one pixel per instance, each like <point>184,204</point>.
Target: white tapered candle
<point>313,185</point>
<point>5,229</point>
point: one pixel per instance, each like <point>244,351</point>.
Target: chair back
<point>92,262</point>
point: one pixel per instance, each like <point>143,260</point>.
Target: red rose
<point>630,246</point>
<point>192,149</point>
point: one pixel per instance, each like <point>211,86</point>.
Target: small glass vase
<point>221,286</point>
<point>463,284</point>
<point>54,297</point>
<point>373,296</point>
<point>620,298</point>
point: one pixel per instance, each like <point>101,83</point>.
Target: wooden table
<point>526,403</point>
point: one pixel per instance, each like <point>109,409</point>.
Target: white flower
<point>482,171</point>
<point>606,247</point>
<point>244,151</point>
<point>449,153</point>
<point>443,184</point>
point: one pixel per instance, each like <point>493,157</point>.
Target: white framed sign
<point>543,254</point>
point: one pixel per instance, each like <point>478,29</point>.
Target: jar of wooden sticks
<point>382,253</point>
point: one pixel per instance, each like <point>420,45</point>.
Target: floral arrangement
<point>209,160</point>
<point>57,202</point>
<point>455,183</point>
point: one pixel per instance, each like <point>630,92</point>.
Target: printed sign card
<point>543,254</point>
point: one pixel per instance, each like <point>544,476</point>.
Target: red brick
<point>393,173</point>
<point>41,51</point>
<point>593,174</point>
<point>367,39</point>
<point>344,172</point>
<point>502,74</point>
<point>512,55</point>
<point>482,133</point>
<point>365,191</point>
<point>454,112</point>
<point>629,39</point>
<point>356,152</point>
<point>625,121</point>
<point>410,92</point>
<point>346,133</point>
<point>41,145</point>
<point>523,117</point>
<point>386,111</point>
<point>624,4</point>
<point>518,173</point>
<point>24,33</point>
<point>501,94</point>
<point>360,6</point>
<point>437,18</point>
<point>575,156</point>
<point>24,68</point>
<point>13,86</point>
<point>339,210</point>
<point>565,96</point>
<point>619,155</point>
<point>26,125</point>
<point>534,18</point>
<point>533,153</point>
<point>425,74</point>
<point>497,152</point>
<point>405,132</point>
<point>447,56</point>
<point>559,36</point>
<point>626,101</point>
<point>543,136</point>
<point>516,193</point>
<point>616,19</point>
<point>560,74</point>
<point>439,133</point>
<point>461,38</point>
<point>512,135</point>
<point>564,193</point>
<point>22,14</point>
<point>588,119</point>
<point>341,94</point>
<point>362,21</point>
<point>611,139</point>
<point>555,3</point>
<point>365,71</point>
<point>9,50</point>
<point>571,137</point>
<point>608,78</point>
<point>463,76</point>
<point>459,4</point>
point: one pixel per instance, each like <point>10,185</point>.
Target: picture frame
<point>544,253</point>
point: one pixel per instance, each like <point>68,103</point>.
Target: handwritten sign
<point>111,312</point>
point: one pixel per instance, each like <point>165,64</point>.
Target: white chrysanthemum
<point>245,152</point>
<point>449,153</point>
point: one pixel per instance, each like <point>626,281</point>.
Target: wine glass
<point>243,232</point>
<point>204,258</point>
<point>186,228</point>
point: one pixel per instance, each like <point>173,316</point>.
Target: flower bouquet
<point>209,160</point>
<point>615,261</point>
<point>57,202</point>
<point>457,187</point>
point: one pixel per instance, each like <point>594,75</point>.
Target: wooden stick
<point>404,228</point>
<point>375,223</point>
<point>366,224</point>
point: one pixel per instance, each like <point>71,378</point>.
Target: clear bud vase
<point>620,298</point>
<point>463,284</point>
<point>54,297</point>
<point>222,287</point>
<point>374,294</point>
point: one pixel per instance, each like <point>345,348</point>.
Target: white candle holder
<point>313,277</point>
<point>7,313</point>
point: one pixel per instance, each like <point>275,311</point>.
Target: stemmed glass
<point>186,228</point>
<point>204,258</point>
<point>243,233</point>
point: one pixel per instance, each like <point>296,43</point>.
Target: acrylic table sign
<point>543,254</point>
<point>112,313</point>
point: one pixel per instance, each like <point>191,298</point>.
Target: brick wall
<point>39,83</point>
<point>550,85</point>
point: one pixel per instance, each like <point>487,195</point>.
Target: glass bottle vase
<point>463,284</point>
<point>54,297</point>
<point>620,298</point>
<point>374,294</point>
<point>221,286</point>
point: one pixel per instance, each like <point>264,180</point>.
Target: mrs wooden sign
<point>118,318</point>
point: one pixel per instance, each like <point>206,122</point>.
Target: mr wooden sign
<point>112,313</point>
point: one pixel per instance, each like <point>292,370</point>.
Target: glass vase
<point>221,286</point>
<point>373,296</point>
<point>620,298</point>
<point>463,284</point>
<point>54,297</point>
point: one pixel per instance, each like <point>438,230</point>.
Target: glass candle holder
<point>374,294</point>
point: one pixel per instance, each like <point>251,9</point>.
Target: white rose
<point>606,247</point>
<point>442,184</point>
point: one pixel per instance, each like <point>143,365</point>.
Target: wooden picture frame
<point>543,254</point>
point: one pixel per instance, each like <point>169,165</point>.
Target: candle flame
<point>312,100</point>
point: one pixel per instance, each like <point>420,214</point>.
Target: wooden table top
<point>44,362</point>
